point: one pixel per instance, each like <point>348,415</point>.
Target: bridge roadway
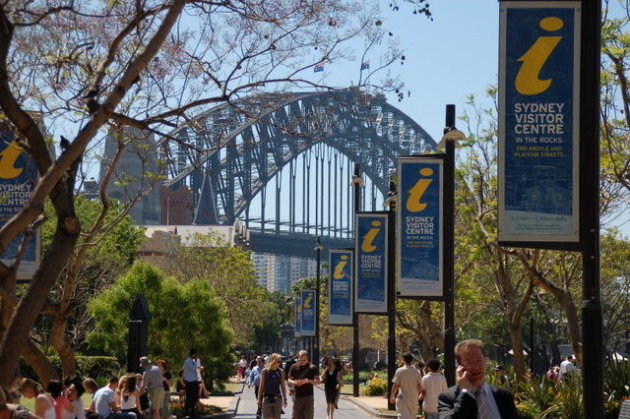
<point>247,407</point>
<point>294,244</point>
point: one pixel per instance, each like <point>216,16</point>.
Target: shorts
<point>272,406</point>
<point>156,395</point>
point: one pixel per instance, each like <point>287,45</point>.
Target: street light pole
<point>318,250</point>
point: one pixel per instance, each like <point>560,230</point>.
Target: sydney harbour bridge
<point>282,163</point>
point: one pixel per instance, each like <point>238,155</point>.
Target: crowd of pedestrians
<point>130,396</point>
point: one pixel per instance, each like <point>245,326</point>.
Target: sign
<point>298,316</point>
<point>371,249</point>
<point>419,226</point>
<point>539,122</point>
<point>309,311</point>
<point>340,287</point>
<point>18,177</point>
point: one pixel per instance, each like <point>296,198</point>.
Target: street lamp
<point>318,249</point>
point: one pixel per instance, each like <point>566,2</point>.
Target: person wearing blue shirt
<point>254,379</point>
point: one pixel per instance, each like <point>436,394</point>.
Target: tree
<point>229,271</point>
<point>86,66</point>
<point>183,316</point>
<point>101,255</point>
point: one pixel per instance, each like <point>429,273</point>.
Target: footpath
<point>243,405</point>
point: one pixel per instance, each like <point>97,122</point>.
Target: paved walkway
<point>347,409</point>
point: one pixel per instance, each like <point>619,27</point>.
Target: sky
<point>446,59</point>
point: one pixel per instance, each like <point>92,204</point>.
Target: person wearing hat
<point>152,382</point>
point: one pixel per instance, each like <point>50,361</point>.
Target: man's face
<point>474,363</point>
<point>303,359</point>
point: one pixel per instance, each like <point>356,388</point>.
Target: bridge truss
<point>282,162</point>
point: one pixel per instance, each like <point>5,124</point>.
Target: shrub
<point>377,386</point>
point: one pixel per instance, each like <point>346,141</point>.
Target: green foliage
<point>230,272</point>
<point>538,396</point>
<point>87,366</point>
<point>117,244</point>
<point>377,386</point>
<point>569,403</point>
<point>183,316</point>
<point>617,380</point>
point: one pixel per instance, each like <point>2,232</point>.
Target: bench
<point>624,413</point>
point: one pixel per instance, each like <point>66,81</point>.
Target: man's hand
<point>462,378</point>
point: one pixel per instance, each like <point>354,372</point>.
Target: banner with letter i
<point>309,311</point>
<point>340,287</point>
<point>539,81</point>
<point>419,226</point>
<point>18,177</point>
<point>371,250</point>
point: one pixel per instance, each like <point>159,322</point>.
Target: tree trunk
<point>573,324</point>
<point>62,345</point>
<point>39,362</point>
<point>31,303</point>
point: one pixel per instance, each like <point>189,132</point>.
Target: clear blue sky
<point>447,59</point>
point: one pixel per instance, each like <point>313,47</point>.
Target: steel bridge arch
<point>227,155</point>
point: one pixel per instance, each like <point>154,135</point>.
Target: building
<point>162,240</point>
<point>280,273</point>
<point>135,173</point>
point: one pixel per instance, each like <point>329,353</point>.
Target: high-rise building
<point>135,177</point>
<point>280,273</point>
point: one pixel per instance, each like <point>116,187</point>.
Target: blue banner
<point>371,250</point>
<point>419,222</point>
<point>340,287</point>
<point>538,122</point>
<point>18,177</point>
<point>309,311</point>
<point>298,316</point>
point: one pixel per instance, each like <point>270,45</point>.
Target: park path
<point>247,407</point>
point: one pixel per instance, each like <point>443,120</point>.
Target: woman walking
<point>332,379</point>
<point>272,395</point>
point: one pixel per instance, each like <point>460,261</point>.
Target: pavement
<point>243,405</point>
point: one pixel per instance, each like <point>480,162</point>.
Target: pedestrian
<point>191,380</point>
<point>406,389</point>
<point>272,395</point>
<point>180,386</point>
<point>568,368</point>
<point>332,379</point>
<point>130,396</point>
<point>105,405</point>
<point>44,403</point>
<point>502,379</point>
<point>152,382</point>
<point>74,391</point>
<point>433,383</point>
<point>166,384</point>
<point>302,376</point>
<point>472,393</point>
<point>9,410</point>
<point>62,404</point>
<point>254,380</point>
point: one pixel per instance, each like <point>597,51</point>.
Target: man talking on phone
<point>473,397</point>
